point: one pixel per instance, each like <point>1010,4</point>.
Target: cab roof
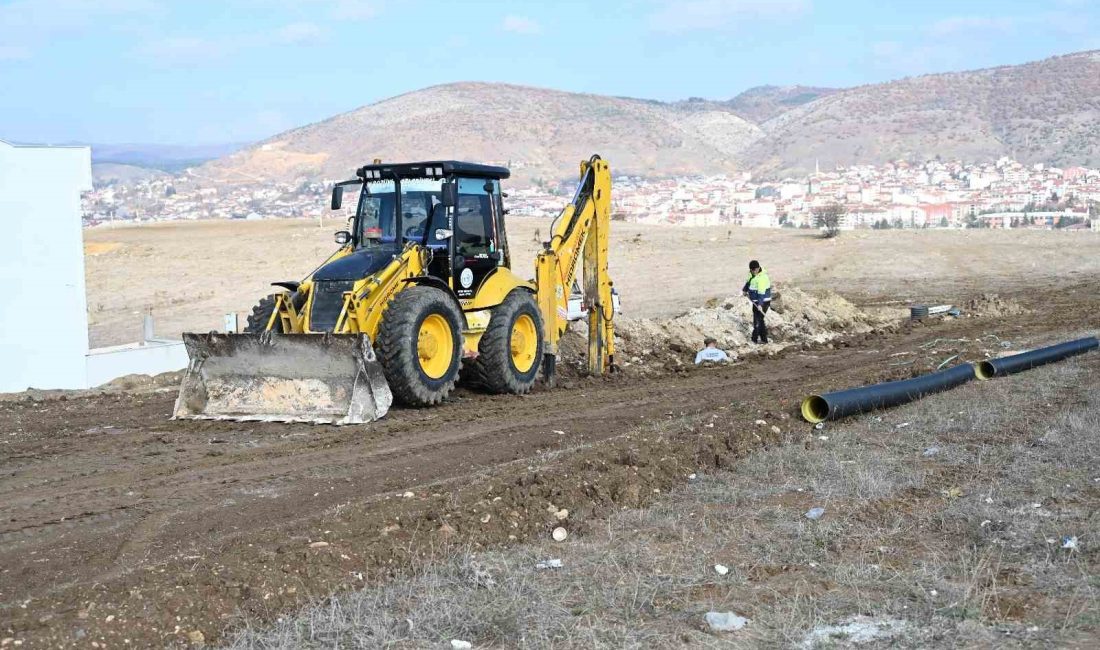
<point>431,169</point>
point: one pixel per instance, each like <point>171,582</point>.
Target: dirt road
<point>121,527</point>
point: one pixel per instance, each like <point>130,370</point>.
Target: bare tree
<point>828,218</point>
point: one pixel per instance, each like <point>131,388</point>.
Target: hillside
<point>163,157</point>
<point>1046,111</point>
<point>762,103</point>
<point>541,134</point>
<point>110,173</point>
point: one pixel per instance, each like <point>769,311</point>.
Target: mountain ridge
<point>1042,111</point>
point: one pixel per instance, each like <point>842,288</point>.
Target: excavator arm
<point>580,232</point>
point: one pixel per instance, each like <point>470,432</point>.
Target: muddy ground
<point>121,528</point>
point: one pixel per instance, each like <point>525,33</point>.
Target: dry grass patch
<point>947,523</point>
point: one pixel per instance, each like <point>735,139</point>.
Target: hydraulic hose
<point>831,406</point>
<point>1027,360</point>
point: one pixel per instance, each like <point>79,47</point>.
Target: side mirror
<point>337,197</point>
<point>449,195</point>
<point>343,237</point>
<point>442,234</point>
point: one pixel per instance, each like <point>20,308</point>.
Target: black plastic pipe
<point>830,406</point>
<point>1027,360</point>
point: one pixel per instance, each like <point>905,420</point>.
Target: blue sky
<point>162,71</point>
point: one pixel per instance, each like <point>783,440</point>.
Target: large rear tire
<point>510,350</point>
<point>261,314</point>
<point>420,345</point>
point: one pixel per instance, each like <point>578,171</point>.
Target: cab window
<point>474,231</point>
<point>376,213</point>
<point>419,197</point>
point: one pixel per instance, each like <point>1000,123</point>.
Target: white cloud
<point>972,26</point>
<point>355,9</point>
<point>520,25</point>
<point>331,9</point>
<point>26,25</point>
<point>14,53</point>
<point>678,16</point>
<point>185,48</point>
<point>295,34</point>
<point>197,48</point>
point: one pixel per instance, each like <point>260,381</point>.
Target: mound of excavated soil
<point>797,317</point>
<point>992,305</point>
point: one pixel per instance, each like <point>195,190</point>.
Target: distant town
<point>932,194</point>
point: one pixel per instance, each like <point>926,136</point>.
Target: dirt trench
<point>121,527</point>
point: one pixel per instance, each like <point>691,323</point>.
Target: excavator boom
<point>580,231</point>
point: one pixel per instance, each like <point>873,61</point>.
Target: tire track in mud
<point>106,513</point>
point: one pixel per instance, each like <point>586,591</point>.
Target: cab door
<point>478,243</point>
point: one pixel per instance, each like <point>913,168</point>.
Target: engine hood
<point>356,266</point>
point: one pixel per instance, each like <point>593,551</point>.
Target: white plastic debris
<point>725,621</point>
<point>931,451</point>
<point>549,564</point>
<point>815,513</point>
<point>761,423</point>
<point>855,631</point>
<point>459,644</point>
<point>1069,542</point>
<point>408,495</point>
<point>819,426</point>
<point>559,534</point>
<point>823,438</point>
<point>721,569</point>
<point>559,432</point>
<point>692,477</point>
<point>903,425</point>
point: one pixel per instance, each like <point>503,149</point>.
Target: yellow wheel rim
<point>525,343</point>
<point>435,346</point>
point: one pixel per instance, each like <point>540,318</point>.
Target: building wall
<point>43,308</point>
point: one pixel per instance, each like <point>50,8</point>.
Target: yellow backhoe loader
<point>421,287</point>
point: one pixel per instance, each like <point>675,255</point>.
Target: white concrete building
<point>44,313</point>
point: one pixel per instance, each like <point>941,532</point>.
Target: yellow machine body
<point>291,366</point>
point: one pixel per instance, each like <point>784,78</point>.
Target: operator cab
<point>452,208</point>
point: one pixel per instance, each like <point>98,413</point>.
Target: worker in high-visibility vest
<point>758,288</point>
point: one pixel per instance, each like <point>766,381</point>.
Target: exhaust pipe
<point>832,406</point>
<point>1027,360</point>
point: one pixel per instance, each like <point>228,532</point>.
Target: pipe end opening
<point>815,409</point>
<point>985,371</point>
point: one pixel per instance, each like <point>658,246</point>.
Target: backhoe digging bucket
<point>318,378</point>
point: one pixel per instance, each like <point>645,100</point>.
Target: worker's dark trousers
<point>759,328</point>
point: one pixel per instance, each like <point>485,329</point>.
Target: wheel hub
<point>435,346</point>
<point>524,343</point>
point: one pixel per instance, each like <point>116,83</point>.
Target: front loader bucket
<point>319,378</point>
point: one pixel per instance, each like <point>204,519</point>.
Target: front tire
<point>420,345</point>
<point>510,350</point>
